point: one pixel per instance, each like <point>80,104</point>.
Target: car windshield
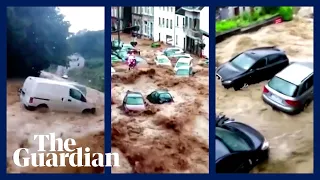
<point>283,87</point>
<point>179,64</point>
<point>135,101</point>
<point>232,140</point>
<point>243,61</point>
<point>165,96</point>
<point>163,60</point>
<point>221,149</point>
<point>182,72</point>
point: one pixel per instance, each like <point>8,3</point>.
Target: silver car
<point>291,90</point>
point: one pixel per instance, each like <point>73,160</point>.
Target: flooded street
<point>290,137</point>
<point>88,130</point>
<point>167,138</point>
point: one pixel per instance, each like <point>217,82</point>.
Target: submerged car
<point>160,97</point>
<point>184,71</point>
<point>251,66</point>
<point>183,62</point>
<point>133,102</point>
<point>115,59</point>
<point>291,90</point>
<point>239,147</point>
<point>162,60</point>
<point>172,51</point>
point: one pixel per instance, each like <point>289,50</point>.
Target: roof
<point>184,60</point>
<point>295,73</point>
<point>183,68</point>
<point>181,11</point>
<point>260,52</point>
<point>193,8</point>
<point>134,94</point>
<point>51,81</point>
<point>162,57</point>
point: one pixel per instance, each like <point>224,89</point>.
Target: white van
<point>55,95</point>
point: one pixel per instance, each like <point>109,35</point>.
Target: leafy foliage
<point>36,38</point>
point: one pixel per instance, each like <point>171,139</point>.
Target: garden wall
<point>252,28</point>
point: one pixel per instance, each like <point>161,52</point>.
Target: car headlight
<point>227,82</point>
<point>265,145</point>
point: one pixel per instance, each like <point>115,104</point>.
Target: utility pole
<point>119,24</point>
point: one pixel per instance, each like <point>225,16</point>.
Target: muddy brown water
<point>290,137</point>
<point>88,130</point>
<point>168,138</point>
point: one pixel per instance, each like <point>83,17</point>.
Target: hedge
<point>259,14</point>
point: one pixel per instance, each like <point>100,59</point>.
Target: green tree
<point>36,38</point>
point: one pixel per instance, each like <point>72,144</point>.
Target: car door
<point>258,71</point>
<point>306,91</point>
<point>76,101</point>
<point>233,163</point>
<point>275,63</point>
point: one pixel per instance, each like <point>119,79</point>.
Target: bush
<point>225,25</point>
<point>286,12</point>
<point>271,10</point>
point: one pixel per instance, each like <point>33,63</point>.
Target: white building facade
<point>142,16</point>
<point>180,35</point>
<point>204,28</point>
<point>164,24</point>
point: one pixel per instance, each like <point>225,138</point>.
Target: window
<point>134,101</point>
<point>221,149</point>
<point>171,9</point>
<point>165,96</point>
<point>261,63</point>
<point>307,85</point>
<point>283,87</point>
<point>167,24</point>
<point>75,94</point>
<point>190,22</point>
<point>176,39</point>
<point>162,21</point>
<point>145,27</point>
<point>183,22</point>
<point>177,21</point>
<point>232,140</point>
<point>273,59</point>
<point>243,61</point>
<point>168,9</point>
<point>159,21</point>
<point>170,23</point>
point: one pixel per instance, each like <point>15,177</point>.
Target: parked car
<point>65,76</point>
<point>239,147</point>
<point>122,54</point>
<point>291,90</point>
<point>81,87</point>
<point>115,59</point>
<point>251,66</point>
<point>178,56</point>
<point>41,93</point>
<point>184,71</point>
<point>163,60</point>
<point>115,44</point>
<point>133,101</point>
<point>183,62</point>
<point>160,97</point>
<point>173,50</point>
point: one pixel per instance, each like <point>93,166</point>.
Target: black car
<point>160,97</point>
<point>252,66</point>
<point>239,147</point>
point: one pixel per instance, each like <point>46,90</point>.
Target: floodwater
<point>290,137</point>
<point>167,138</point>
<point>87,130</point>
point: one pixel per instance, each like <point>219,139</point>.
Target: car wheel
<point>29,108</point>
<point>86,111</point>
<point>43,108</point>
<point>306,104</point>
<point>93,111</point>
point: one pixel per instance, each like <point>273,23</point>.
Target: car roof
<point>295,73</point>
<point>260,52</point>
<point>134,94</point>
<point>184,60</point>
<point>183,54</point>
<point>183,67</point>
<point>169,48</point>
<point>162,56</point>
<point>51,81</point>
